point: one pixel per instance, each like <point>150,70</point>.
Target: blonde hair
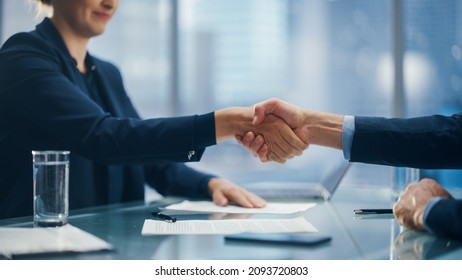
<point>43,7</point>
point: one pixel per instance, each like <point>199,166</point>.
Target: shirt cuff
<point>348,131</point>
<point>427,210</point>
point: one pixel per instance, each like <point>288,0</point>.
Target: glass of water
<point>51,188</point>
<point>401,178</point>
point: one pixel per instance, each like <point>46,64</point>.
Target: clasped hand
<point>278,140</point>
<point>273,137</point>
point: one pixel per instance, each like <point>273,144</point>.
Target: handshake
<point>275,130</point>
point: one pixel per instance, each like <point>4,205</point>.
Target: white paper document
<point>20,241</point>
<point>299,224</point>
<point>210,207</point>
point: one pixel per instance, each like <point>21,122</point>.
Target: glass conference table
<point>352,237</point>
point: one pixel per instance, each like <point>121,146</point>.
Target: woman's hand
<point>223,192</point>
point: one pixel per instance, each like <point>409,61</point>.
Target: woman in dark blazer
<point>54,95</point>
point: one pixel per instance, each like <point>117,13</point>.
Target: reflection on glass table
<point>413,245</point>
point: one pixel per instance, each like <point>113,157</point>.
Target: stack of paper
<point>20,241</point>
<point>230,226</point>
<point>210,207</point>
<point>152,227</point>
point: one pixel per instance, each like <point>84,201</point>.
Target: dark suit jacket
<point>44,105</point>
<point>424,142</point>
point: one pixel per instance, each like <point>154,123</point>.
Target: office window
<point>232,52</point>
<point>433,38</point>
<point>433,56</point>
<point>323,55</point>
<point>315,53</point>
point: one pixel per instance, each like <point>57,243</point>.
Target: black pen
<point>164,217</point>
<point>373,211</point>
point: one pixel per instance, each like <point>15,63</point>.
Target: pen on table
<point>164,217</point>
<point>373,211</point>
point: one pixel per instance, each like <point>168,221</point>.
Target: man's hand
<point>291,114</point>
<point>281,141</point>
<point>223,191</point>
<point>411,204</point>
<point>311,127</point>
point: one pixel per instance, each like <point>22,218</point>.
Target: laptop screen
<point>315,174</point>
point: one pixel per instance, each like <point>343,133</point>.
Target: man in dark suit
<point>423,142</point>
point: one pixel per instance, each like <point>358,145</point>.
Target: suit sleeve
<point>424,142</point>
<point>36,92</point>
<point>445,218</point>
<point>177,179</point>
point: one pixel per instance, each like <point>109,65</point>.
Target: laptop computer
<point>324,170</point>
